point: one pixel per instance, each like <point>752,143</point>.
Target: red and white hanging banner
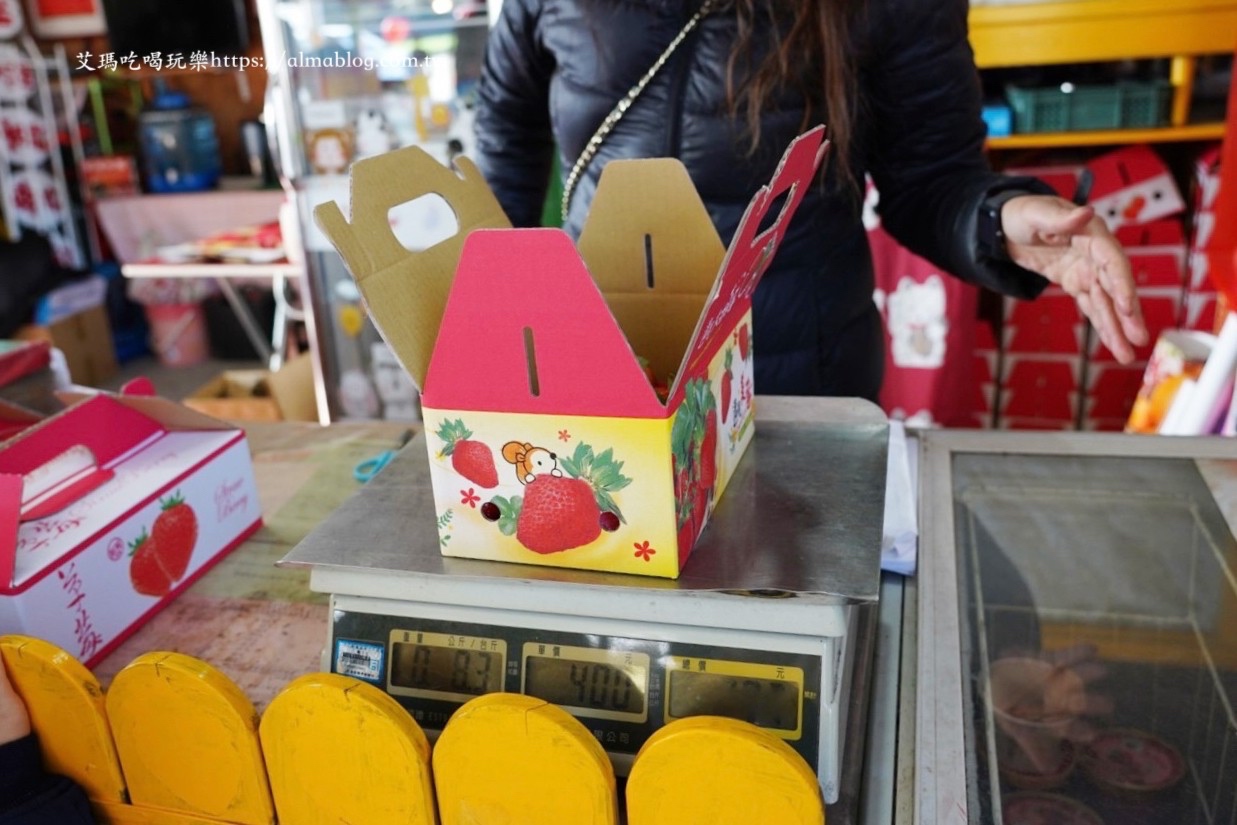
<point>24,138</point>
<point>11,20</point>
<point>17,79</point>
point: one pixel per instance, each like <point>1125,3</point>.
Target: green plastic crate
<point>1115,106</point>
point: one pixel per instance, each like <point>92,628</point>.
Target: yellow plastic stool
<point>340,750</point>
<point>710,770</point>
<point>67,712</point>
<point>188,741</point>
<point>508,759</point>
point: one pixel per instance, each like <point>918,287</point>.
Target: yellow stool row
<point>175,742</point>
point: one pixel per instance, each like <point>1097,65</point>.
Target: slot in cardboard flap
<point>655,264</point>
<point>668,245</point>
<point>752,250</point>
<point>406,292</point>
<point>527,330</point>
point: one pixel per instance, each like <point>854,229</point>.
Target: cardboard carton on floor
<point>259,395</point>
<point>85,338</point>
<point>549,442</point>
<point>110,509</point>
<point>236,395</point>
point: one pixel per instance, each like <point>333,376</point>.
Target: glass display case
<point>349,79</point>
<point>1076,631</point>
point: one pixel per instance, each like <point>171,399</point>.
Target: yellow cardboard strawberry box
<point>584,406</point>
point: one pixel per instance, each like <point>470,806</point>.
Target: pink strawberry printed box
<point>585,404</point>
<point>110,509</point>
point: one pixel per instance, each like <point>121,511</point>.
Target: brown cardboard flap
<point>650,198</point>
<point>406,292</point>
<point>292,387</point>
<point>662,327</point>
<point>650,245</point>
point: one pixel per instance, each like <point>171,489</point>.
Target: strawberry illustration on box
<point>585,404</point>
<point>160,559</point>
<point>111,508</point>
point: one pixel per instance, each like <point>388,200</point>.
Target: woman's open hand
<point>1072,247</point>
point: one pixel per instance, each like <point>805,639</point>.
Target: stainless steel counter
<point>811,490</point>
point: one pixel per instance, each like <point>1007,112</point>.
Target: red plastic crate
<point>1028,373</point>
<point>1047,404</point>
<point>1111,391</point>
<point>1052,308</point>
<point>1156,269</point>
<point>1161,311</point>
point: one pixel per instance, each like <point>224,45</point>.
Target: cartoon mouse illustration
<point>530,461</point>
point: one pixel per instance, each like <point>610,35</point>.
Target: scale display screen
<point>768,696</point>
<point>601,684</point>
<point>762,702</point>
<point>621,688</point>
<point>445,666</point>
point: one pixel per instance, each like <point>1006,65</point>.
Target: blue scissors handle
<point>371,467</point>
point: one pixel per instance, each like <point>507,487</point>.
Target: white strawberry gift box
<point>585,405</point>
<point>110,509</point>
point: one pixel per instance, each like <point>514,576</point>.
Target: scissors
<point>370,467</point>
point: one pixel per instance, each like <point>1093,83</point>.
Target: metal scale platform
<point>772,620</point>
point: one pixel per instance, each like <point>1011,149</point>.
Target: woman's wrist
<point>990,225</point>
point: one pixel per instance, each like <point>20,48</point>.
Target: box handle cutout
<point>648,259</point>
<point>423,222</point>
<point>530,355</point>
<point>52,486</point>
<point>776,208</point>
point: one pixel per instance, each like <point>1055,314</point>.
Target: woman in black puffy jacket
<point>895,82</point>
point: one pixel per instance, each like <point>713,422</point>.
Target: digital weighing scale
<point>764,624</point>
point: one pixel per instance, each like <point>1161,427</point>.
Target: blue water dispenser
<point>180,148</point>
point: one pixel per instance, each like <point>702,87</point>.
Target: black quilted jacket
<point>555,68</point>
<point>29,796</point>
